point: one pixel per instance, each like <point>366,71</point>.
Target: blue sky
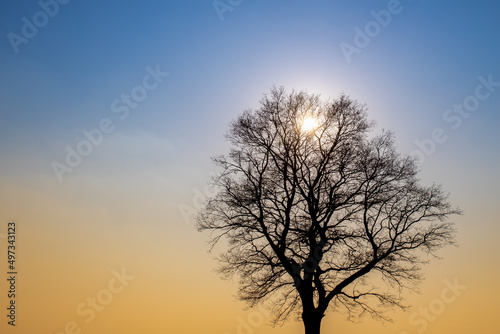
<point>91,52</point>
<point>429,56</point>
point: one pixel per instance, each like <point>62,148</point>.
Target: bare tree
<point>317,213</point>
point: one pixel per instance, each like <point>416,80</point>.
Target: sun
<point>309,124</point>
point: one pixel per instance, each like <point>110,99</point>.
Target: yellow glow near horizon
<point>309,124</point>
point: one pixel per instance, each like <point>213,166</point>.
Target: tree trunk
<point>312,322</point>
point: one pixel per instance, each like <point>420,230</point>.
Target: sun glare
<point>309,124</point>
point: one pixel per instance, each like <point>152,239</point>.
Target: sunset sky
<point>111,110</point>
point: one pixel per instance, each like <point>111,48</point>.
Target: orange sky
<point>171,286</point>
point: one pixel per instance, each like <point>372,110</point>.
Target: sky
<point>111,110</point>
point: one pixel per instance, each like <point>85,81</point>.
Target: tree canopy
<point>320,213</point>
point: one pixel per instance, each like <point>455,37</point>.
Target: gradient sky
<point>121,206</point>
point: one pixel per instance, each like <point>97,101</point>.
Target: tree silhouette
<point>321,215</point>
